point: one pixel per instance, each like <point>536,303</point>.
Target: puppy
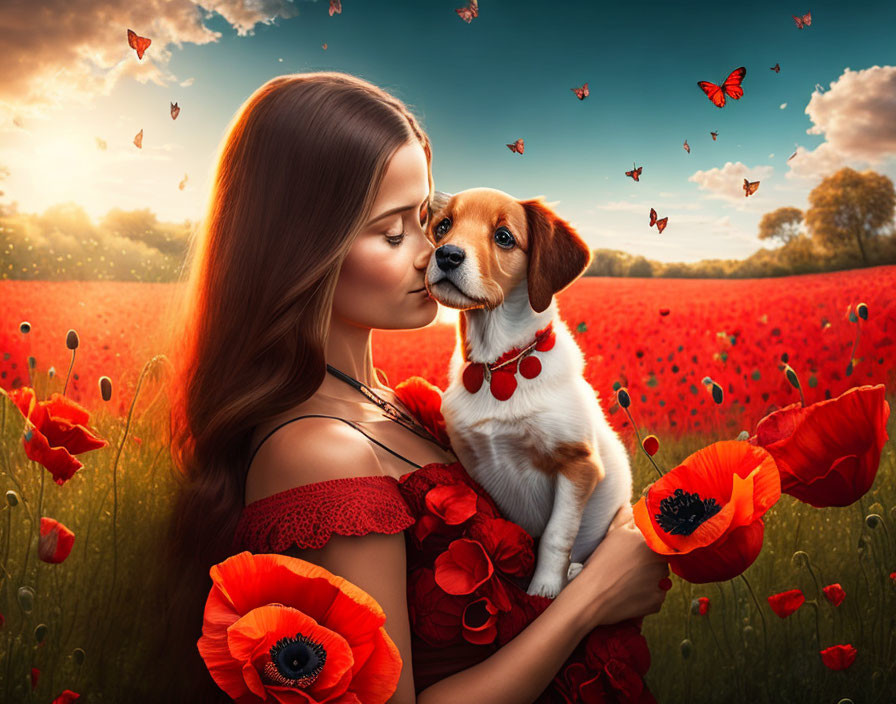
<point>521,417</point>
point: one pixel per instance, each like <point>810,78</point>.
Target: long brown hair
<point>296,176</point>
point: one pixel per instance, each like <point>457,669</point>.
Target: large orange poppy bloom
<point>278,628</point>
<point>828,453</point>
<point>706,514</point>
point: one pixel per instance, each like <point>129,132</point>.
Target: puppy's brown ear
<point>557,254</point>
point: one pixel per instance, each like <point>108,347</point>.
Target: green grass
<point>97,599</point>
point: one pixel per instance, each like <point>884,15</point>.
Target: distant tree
<point>640,268</point>
<point>782,224</point>
<point>849,206</point>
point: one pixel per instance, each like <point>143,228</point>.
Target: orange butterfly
<point>750,187</point>
<point>635,172</point>
<point>469,12</point>
<point>182,183</point>
<point>731,87</point>
<point>776,68</point>
<point>138,140</point>
<point>660,224</point>
<point>335,6</point>
<point>137,43</point>
<point>175,111</point>
<point>324,46</point>
<point>581,93</point>
<point>714,135</point>
<point>803,21</point>
<point>517,146</point>
<point>687,147</point>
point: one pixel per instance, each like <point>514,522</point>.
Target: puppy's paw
<point>574,569</point>
<point>546,585</point>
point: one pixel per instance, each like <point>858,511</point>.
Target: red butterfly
<point>750,187</point>
<point>517,146</point>
<point>182,183</point>
<point>660,224</point>
<point>731,87</point>
<point>714,135</point>
<point>803,21</point>
<point>687,147</point>
<point>175,111</point>
<point>634,173</point>
<point>469,12</point>
<point>137,43</point>
<point>581,93</point>
<point>138,140</point>
<point>335,6</point>
<point>776,68</point>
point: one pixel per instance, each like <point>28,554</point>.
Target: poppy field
<point>812,619</point>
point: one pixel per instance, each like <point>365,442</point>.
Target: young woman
<point>316,234</point>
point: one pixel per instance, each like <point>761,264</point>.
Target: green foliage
<point>63,244</point>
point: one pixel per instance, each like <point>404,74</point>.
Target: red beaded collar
<point>501,374</point>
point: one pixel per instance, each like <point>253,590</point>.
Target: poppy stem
<point>764,633</point>
<point>71,364</point>
<point>640,442</point>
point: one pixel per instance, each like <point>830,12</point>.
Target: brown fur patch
<point>577,461</point>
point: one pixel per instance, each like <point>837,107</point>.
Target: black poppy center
<point>476,615</point>
<point>681,513</point>
<point>298,657</point>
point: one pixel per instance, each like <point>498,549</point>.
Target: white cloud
<point>81,51</point>
<point>727,183</point>
<point>857,117</point>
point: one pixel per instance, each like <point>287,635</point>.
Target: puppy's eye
<point>503,238</point>
<point>441,229</point>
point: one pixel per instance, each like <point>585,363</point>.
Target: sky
<point>475,88</point>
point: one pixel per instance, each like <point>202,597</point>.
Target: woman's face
<point>389,257</point>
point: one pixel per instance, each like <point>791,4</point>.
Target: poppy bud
<point>40,633</point>
<point>32,361</point>
<point>623,398</point>
<point>749,631</point>
<point>743,435</point>
<point>25,596</point>
<point>52,372</point>
<point>12,498</point>
<point>862,308</point>
<point>24,327</point>
<point>71,340</point>
<point>791,376</point>
<point>686,648</point>
<point>650,445</point>
<point>800,558</point>
<point>78,656</point>
<point>717,395</point>
<point>872,520</point>
<point>105,388</point>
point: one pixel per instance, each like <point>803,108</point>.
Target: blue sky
<point>476,87</point>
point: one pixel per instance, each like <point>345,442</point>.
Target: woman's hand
<point>620,579</point>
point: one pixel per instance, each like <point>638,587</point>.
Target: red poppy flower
<point>453,503</point>
<point>280,628</point>
<point>66,697</point>
<point>785,603</point>
<point>55,542</point>
<point>834,593</point>
<point>424,400</point>
<point>435,616</point>
<point>838,657</point>
<point>463,567</point>
<point>511,549</point>
<point>828,453</point>
<point>706,514</point>
<point>479,621</point>
<point>59,431</point>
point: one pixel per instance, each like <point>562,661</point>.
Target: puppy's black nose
<point>449,256</point>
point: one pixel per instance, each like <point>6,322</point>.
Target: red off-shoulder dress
<point>468,567</point>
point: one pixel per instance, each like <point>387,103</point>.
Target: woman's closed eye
<point>396,239</point>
